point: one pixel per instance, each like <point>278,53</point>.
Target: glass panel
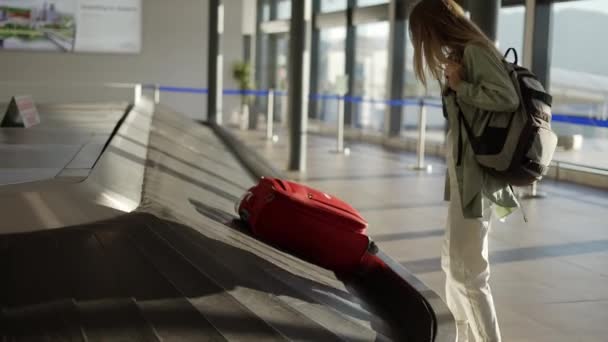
<point>511,25</point>
<point>281,80</point>
<point>333,5</point>
<point>273,73</point>
<point>266,10</point>
<point>331,66</point>
<point>370,74</point>
<point>283,9</point>
<point>579,76</point>
<point>363,3</point>
<point>282,58</point>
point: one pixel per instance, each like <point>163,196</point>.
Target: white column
<point>529,33</point>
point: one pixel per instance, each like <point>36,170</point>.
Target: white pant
<point>464,259</point>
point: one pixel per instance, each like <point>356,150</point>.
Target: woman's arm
<point>489,87</point>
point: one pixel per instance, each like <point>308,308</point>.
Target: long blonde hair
<point>440,32</point>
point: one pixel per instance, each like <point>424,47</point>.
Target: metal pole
<point>420,166</point>
<point>137,91</point>
<point>314,59</point>
<point>284,108</point>
<point>214,62</point>
<point>398,10</point>
<point>299,71</point>
<point>534,193</point>
<point>421,136</point>
<point>529,33</point>
<point>340,124</point>
<point>259,48</point>
<point>350,63</point>
<point>220,66</point>
<point>156,94</point>
<point>270,114</point>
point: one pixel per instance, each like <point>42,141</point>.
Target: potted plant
<point>241,72</point>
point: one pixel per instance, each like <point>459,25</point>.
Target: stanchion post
<point>534,193</point>
<point>270,115</point>
<point>156,94</point>
<point>340,134</point>
<point>284,109</point>
<point>137,95</point>
<point>420,166</point>
<point>342,90</point>
<point>421,136</point>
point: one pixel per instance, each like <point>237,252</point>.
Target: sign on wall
<point>71,25</point>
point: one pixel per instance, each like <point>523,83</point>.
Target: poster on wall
<point>71,25</point>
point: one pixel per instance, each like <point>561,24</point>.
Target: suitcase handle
<point>282,184</point>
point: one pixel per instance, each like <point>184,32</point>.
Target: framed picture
<point>112,26</point>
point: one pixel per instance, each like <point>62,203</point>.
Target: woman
<point>454,51</point>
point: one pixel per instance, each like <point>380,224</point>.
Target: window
<point>579,74</point>
<point>370,74</point>
<point>281,80</point>
<point>333,5</point>
<point>363,3</point>
<point>579,29</point>
<point>281,41</point>
<point>265,10</point>
<point>511,26</point>
<point>283,9</point>
<point>331,67</point>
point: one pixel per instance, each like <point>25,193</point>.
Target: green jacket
<point>486,86</point>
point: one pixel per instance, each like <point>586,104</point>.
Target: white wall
<point>174,52</point>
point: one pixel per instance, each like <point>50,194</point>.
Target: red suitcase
<point>311,224</point>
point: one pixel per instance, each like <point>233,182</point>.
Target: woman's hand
<point>453,75</point>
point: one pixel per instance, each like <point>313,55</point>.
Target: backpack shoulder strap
<point>541,96</point>
<point>514,54</point>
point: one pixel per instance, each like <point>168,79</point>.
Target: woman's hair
<point>440,32</point>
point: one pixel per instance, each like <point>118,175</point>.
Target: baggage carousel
<point>119,225</point>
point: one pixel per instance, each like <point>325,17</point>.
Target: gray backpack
<point>516,147</point>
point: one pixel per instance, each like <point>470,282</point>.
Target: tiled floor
<point>549,276</point>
